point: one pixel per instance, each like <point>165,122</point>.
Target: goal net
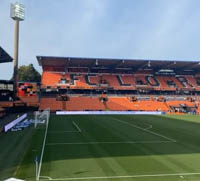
<point>42,117</point>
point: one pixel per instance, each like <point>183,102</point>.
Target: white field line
<point>146,130</point>
<point>47,177</point>
<point>150,126</point>
<point>117,142</point>
<point>125,176</point>
<point>77,127</point>
<point>41,157</point>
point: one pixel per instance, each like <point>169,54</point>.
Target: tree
<point>28,74</point>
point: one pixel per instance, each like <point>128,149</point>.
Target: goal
<point>41,125</point>
<point>42,117</point>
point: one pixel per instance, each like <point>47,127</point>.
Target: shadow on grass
<point>104,129</point>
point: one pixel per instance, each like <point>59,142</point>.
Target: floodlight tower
<point>17,14</point>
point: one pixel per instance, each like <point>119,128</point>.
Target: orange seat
<point>84,103</point>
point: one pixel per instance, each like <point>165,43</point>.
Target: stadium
<point>92,84</point>
<point>108,116</point>
<point>106,119</point>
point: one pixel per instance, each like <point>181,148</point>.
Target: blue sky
<point>144,29</point>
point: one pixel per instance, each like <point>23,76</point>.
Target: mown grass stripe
<point>146,130</point>
<point>96,143</point>
<point>125,176</point>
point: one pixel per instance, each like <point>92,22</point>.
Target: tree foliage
<point>28,74</point>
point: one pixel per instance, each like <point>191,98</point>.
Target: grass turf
<point>109,148</point>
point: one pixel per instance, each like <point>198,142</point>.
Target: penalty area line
<point>42,153</point>
<point>150,127</point>
<point>77,127</point>
<point>146,130</point>
<point>124,176</point>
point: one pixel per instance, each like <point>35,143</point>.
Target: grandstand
<point>4,56</point>
<point>6,87</point>
<point>72,84</point>
<point>27,94</point>
<point>107,146</point>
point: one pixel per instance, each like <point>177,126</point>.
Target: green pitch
<point>109,148</point>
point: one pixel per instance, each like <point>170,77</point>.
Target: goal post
<point>41,124</point>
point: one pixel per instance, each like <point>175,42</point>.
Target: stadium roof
<point>4,56</point>
<point>134,64</point>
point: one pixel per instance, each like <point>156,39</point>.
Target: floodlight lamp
<point>17,11</point>
<point>149,63</point>
<point>96,62</point>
